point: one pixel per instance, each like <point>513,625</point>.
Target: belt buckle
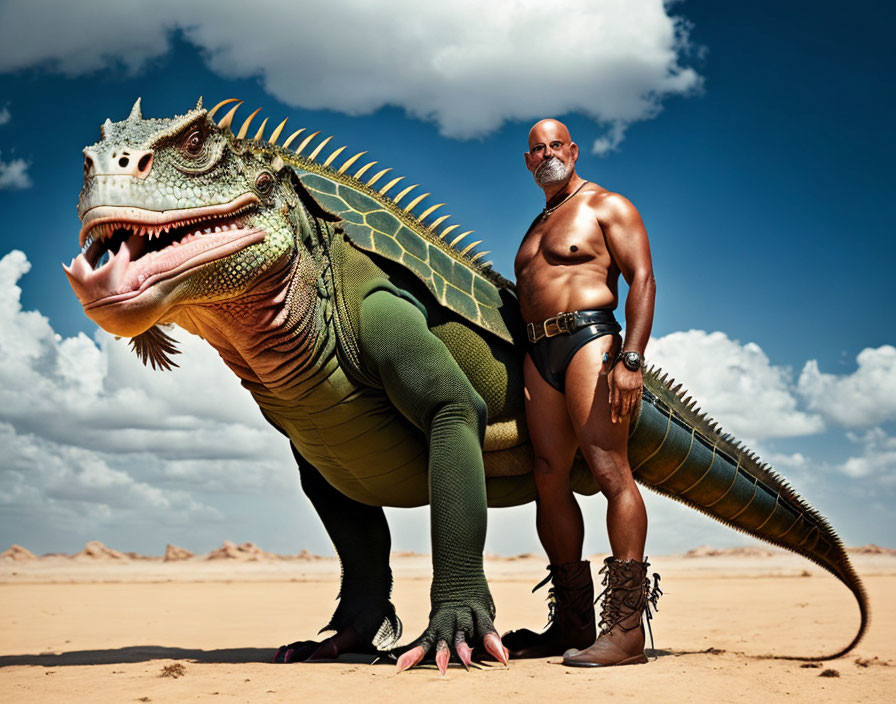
<point>566,322</point>
<point>530,332</point>
<point>555,330</point>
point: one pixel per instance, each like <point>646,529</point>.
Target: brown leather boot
<point>627,596</point>
<point>570,617</point>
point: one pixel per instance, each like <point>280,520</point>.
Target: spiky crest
<point>327,169</point>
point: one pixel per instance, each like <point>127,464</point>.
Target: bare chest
<point>568,237</point>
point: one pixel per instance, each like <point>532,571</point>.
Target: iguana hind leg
<point>365,618</point>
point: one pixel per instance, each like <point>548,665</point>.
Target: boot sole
<point>635,660</point>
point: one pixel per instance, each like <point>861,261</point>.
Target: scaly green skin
<point>389,358</point>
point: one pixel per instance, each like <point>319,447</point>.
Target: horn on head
<point>198,104</point>
<point>136,114</point>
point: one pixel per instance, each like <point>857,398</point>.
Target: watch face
<point>632,361</point>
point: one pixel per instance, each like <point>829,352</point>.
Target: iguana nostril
<point>88,164</point>
<point>123,162</point>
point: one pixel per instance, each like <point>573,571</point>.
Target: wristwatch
<point>633,361</point>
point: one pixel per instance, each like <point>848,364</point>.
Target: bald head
<point>552,154</point>
<point>546,130</point>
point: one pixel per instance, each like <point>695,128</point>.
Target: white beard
<point>552,171</point>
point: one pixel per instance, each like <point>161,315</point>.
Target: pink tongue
<point>89,285</point>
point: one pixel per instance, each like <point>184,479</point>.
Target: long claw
<point>465,653</point>
<point>443,655</point>
<point>410,658</point>
<point>288,655</point>
<point>493,645</point>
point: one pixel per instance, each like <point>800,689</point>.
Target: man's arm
<point>629,247</point>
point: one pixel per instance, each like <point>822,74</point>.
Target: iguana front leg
<point>424,382</point>
<point>365,618</point>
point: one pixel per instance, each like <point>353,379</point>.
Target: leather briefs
<point>554,342</point>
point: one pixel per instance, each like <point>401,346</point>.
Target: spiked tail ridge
<point>681,453</point>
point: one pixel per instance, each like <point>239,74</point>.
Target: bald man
<point>582,384</point>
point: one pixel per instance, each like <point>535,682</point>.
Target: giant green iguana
<point>389,356</point>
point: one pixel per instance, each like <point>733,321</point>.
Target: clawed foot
<point>460,624</point>
<point>346,641</point>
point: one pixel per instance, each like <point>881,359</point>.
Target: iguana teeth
<point>333,156</point>
<point>414,203</point>
<point>360,172</point>
<point>306,141</point>
<point>228,118</point>
<point>429,211</point>
<point>347,164</point>
<point>448,230</point>
<point>460,237</point>
<point>389,185</point>
<point>438,221</point>
<point>260,134</point>
<point>376,177</point>
<point>211,113</point>
<point>313,155</point>
<point>404,193</point>
<point>292,137</point>
<point>276,133</point>
<point>470,246</point>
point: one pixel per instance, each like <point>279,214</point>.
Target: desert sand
<point>107,626</point>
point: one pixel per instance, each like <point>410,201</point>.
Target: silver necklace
<point>546,213</point>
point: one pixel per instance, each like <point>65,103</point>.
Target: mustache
<point>551,170</point>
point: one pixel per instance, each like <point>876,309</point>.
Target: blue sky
<point>755,139</point>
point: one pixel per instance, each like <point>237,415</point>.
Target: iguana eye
<point>264,183</point>
<point>193,143</point>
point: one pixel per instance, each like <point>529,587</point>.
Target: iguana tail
<point>679,452</point>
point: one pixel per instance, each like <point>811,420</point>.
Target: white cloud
<point>735,384</point>
<point>878,458</point>
<point>863,398</point>
<point>93,438</point>
<point>466,65</point>
<point>14,174</point>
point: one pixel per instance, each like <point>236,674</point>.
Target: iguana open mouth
<point>125,250</point>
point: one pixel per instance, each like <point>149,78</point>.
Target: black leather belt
<point>566,323</point>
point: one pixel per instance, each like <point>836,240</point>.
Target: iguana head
<point>175,212</point>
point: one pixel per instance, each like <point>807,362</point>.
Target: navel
<point>573,248</point>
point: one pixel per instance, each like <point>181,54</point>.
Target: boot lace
<point>621,601</point>
<point>552,595</point>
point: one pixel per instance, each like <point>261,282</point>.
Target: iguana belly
<point>354,437</point>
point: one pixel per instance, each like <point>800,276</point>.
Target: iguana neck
<point>273,335</point>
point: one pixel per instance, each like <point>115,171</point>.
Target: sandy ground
<point>74,630</point>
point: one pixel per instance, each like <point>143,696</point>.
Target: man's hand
<point>625,391</point>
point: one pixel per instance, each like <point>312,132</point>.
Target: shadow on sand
<point>145,653</point>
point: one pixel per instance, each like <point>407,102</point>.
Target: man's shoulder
<point>607,205</point>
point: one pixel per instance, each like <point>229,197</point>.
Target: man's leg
<point>605,447</point>
<point>558,516</point>
<point>559,524</point>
